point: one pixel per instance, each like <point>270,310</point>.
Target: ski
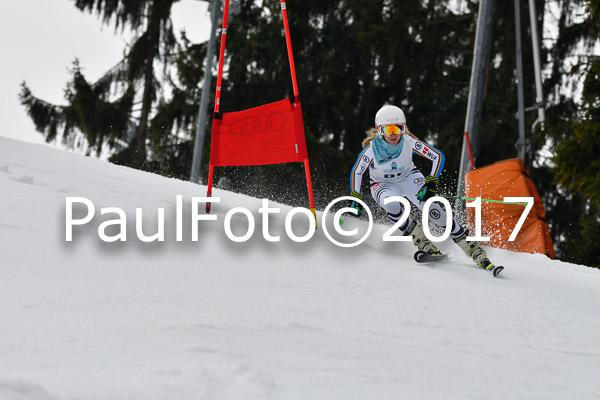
<point>422,257</point>
<point>425,258</point>
<point>496,270</point>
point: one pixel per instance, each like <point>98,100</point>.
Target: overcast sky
<point>40,39</point>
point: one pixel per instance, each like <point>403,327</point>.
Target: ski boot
<point>473,250</point>
<point>420,240</point>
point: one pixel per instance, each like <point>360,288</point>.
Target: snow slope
<point>215,319</point>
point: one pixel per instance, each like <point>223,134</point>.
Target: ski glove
<point>428,189</point>
<point>355,204</point>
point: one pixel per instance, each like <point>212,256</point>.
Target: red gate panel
<point>269,134</point>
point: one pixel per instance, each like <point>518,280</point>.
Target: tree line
<point>351,56</point>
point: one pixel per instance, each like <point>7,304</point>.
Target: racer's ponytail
<point>371,134</point>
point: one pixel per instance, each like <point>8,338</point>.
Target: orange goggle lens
<point>392,129</point>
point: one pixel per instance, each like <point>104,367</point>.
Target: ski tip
<point>419,255</point>
<point>496,271</point>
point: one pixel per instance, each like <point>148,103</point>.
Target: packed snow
<point>218,319</point>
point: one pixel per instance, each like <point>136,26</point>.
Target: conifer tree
<point>150,22</point>
<point>573,179</point>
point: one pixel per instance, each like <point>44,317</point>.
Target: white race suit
<point>393,173</point>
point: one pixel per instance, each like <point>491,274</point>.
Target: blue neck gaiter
<point>383,151</point>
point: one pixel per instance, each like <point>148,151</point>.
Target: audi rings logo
<point>418,146</point>
<point>261,123</point>
<point>435,214</point>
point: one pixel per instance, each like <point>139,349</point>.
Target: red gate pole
<point>221,55</point>
<point>211,167</point>
<point>289,47</point>
<point>469,148</point>
<point>297,98</point>
<point>310,190</point>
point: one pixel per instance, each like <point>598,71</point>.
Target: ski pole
<point>343,219</point>
<point>488,200</point>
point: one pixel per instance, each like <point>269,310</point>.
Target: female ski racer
<point>387,155</point>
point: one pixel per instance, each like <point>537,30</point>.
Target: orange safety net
<point>508,179</point>
<point>269,134</point>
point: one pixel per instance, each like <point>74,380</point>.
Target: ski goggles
<point>389,130</point>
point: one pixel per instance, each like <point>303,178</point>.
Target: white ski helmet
<point>389,115</point>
